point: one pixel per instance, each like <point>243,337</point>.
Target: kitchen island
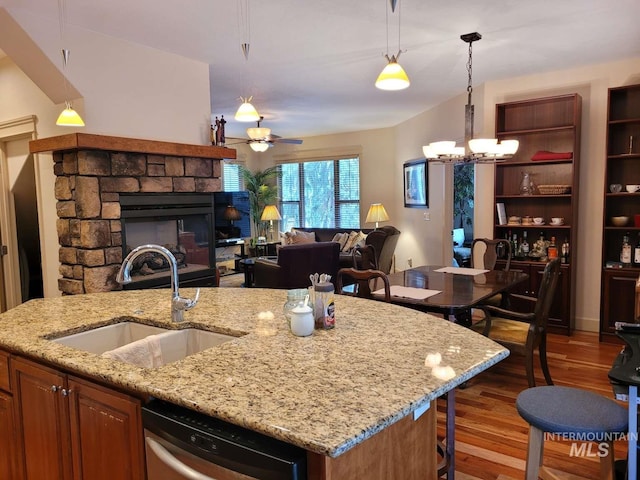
<point>381,366</point>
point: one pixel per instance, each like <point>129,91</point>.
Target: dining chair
<point>490,255</point>
<point>522,333</point>
<point>362,287</point>
<point>493,249</point>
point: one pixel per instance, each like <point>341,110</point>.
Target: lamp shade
<point>231,213</point>
<point>69,118</point>
<point>270,212</point>
<point>392,77</point>
<point>259,146</point>
<point>376,214</point>
<point>247,112</point>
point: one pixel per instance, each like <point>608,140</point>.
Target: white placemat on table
<point>409,292</point>
<point>462,270</point>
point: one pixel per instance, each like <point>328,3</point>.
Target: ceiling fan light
<point>257,133</point>
<point>247,112</point>
<point>69,118</point>
<point>483,145</point>
<point>392,77</point>
<point>259,146</point>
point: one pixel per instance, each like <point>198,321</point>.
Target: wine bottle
<point>636,253</point>
<point>552,250</point>
<point>524,245</point>
<point>565,252</point>
<point>625,251</point>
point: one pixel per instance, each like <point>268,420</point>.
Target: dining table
<point>452,292</point>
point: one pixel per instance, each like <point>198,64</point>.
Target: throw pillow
<point>350,242</point>
<point>303,237</point>
<point>341,238</point>
<point>360,240</point>
<point>288,237</point>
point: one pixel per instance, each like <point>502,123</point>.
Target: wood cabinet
<point>559,307</point>
<point>69,428</point>
<point>8,452</point>
<point>548,130</point>
<point>622,166</point>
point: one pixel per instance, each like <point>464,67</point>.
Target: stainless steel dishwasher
<point>183,444</point>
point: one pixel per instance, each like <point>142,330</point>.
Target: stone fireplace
<point>92,172</point>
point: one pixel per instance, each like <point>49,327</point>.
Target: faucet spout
<point>178,304</point>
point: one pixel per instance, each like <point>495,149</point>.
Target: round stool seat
<point>556,409</point>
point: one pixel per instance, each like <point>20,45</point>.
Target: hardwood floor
<point>491,438</point>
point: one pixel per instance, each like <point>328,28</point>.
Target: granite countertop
<point>325,393</point>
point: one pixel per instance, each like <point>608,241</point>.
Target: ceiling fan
<point>261,138</point>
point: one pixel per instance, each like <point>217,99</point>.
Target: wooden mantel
<point>88,141</point>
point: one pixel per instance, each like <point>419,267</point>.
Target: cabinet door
<point>105,421</point>
<point>8,459</point>
<point>42,421</point>
<point>618,298</point>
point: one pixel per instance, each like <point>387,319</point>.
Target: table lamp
<point>270,213</point>
<point>376,214</point>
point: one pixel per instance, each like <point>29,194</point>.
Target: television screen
<point>232,220</point>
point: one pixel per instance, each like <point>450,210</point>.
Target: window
<point>320,194</point>
<point>232,180</point>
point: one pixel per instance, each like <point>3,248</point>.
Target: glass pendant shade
<point>247,112</point>
<point>258,133</point>
<point>69,118</point>
<point>259,146</point>
<point>392,77</point>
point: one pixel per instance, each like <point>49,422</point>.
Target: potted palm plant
<point>263,190</point>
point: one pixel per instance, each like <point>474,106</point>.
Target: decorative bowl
<point>615,188</point>
<point>619,221</point>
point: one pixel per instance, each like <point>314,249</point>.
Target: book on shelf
<point>502,215</point>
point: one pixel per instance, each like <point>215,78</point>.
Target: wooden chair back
<point>491,250</point>
<point>363,278</point>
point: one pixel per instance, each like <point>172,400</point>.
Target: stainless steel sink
<point>174,344</point>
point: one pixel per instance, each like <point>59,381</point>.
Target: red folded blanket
<point>544,155</point>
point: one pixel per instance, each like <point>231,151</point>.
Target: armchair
<point>384,241</point>
<point>295,263</point>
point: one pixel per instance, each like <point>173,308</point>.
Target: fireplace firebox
<point>181,222</point>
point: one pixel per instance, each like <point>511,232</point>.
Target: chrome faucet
<point>178,304</point>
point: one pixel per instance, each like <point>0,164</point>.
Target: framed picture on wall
<point>416,176</point>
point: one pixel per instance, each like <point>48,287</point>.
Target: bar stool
<point>575,414</point>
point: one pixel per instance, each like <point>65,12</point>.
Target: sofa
<point>295,263</point>
<point>383,240</point>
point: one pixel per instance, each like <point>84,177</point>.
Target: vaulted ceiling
<point>312,64</point>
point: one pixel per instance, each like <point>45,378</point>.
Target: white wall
<point>128,90</point>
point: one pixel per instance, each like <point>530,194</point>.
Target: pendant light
<point>246,112</point>
<point>476,150</point>
<point>68,117</point>
<point>393,76</point>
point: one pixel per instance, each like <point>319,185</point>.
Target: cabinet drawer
<point>4,372</point>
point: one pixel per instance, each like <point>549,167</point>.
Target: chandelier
<point>475,150</point>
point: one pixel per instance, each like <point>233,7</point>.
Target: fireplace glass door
<point>185,230</point>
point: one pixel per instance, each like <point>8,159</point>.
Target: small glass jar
<point>295,298</point>
<point>302,324</point>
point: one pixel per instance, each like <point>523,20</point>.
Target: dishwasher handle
<point>173,463</point>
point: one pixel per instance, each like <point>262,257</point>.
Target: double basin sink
<point>174,344</point>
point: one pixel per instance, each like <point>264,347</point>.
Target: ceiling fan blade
<point>296,141</point>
